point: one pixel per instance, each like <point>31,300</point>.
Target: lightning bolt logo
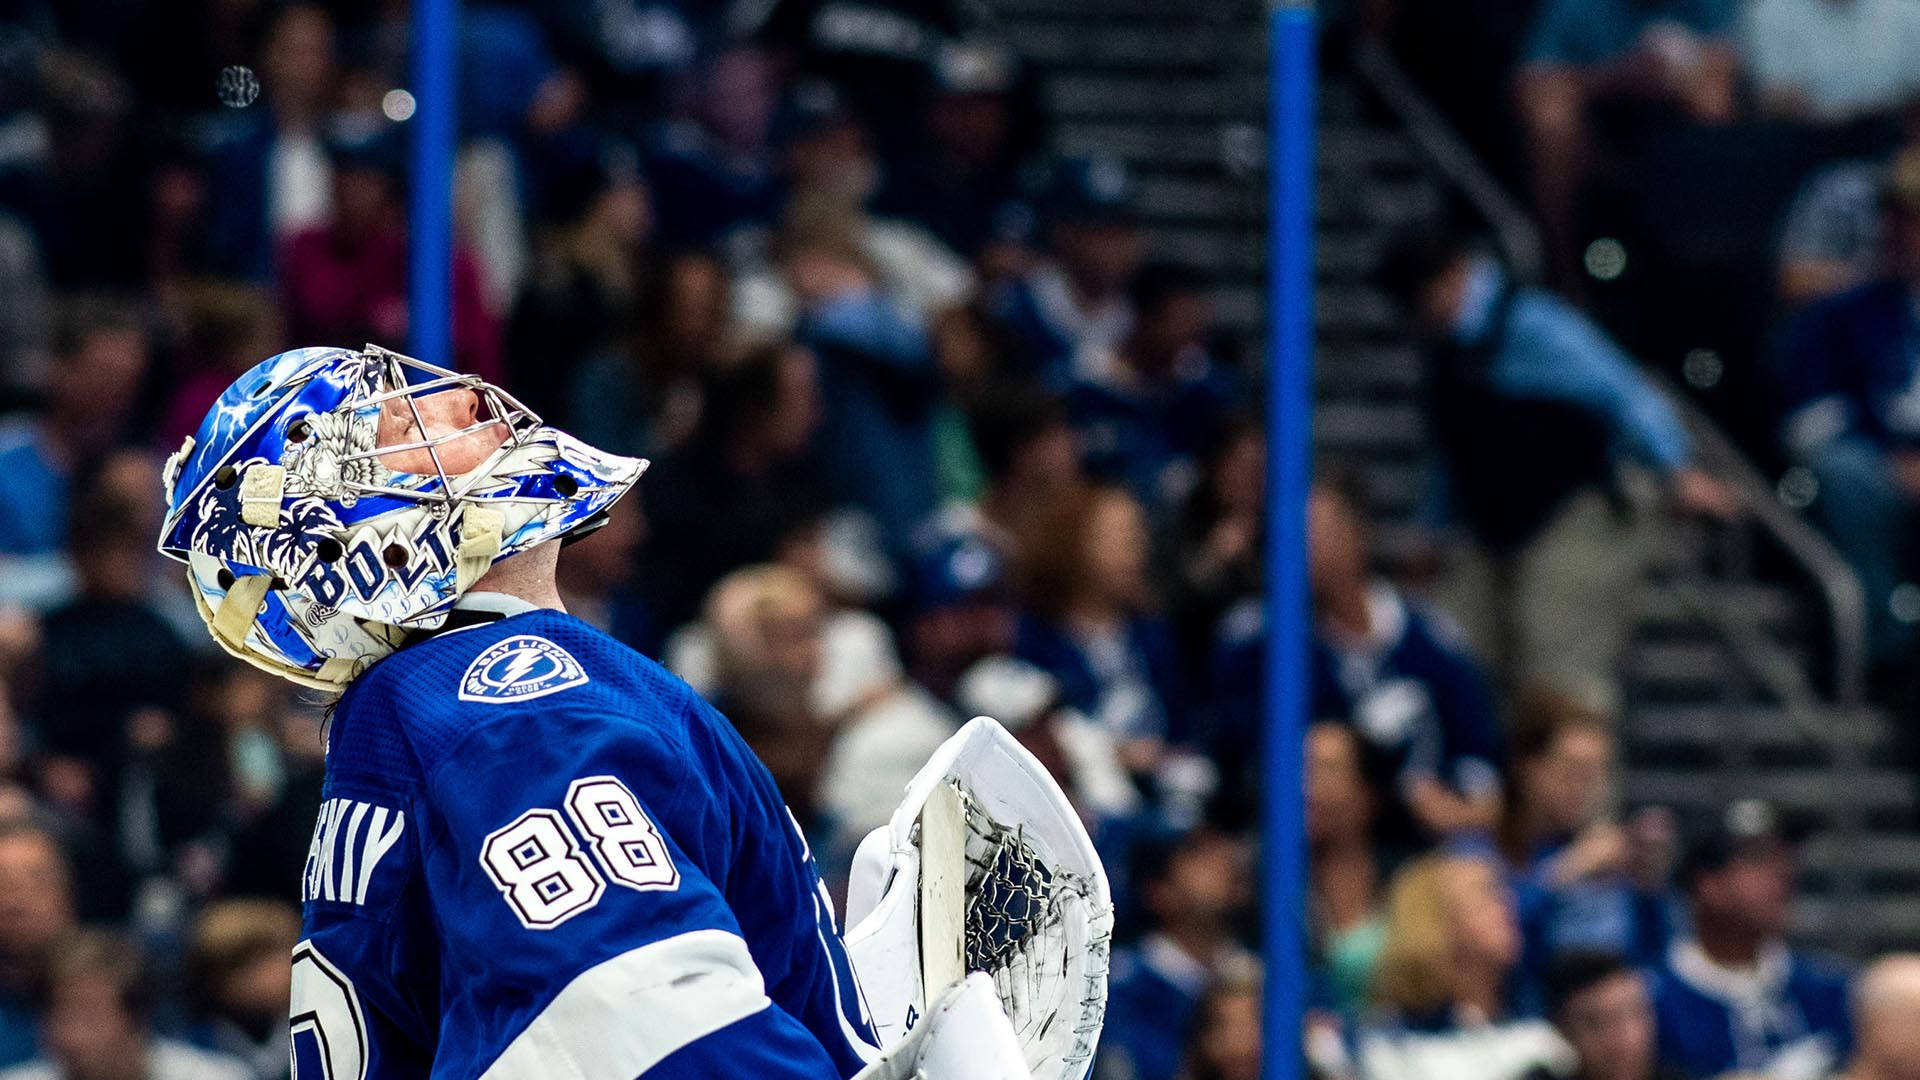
<point>520,668</point>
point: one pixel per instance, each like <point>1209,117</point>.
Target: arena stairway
<point>1727,683</point>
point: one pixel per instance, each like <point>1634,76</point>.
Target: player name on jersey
<point>349,840</point>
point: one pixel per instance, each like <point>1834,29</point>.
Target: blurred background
<point>941,322</point>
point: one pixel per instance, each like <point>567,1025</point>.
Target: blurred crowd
<point>934,434</point>
<point>1729,195</point>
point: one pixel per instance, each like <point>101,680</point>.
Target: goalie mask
<point>322,519</point>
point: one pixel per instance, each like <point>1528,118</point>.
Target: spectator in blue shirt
<point>1192,890</point>
<point>1547,431</point>
<point>1584,882</point>
<point>876,368</point>
<point>1848,372</point>
<point>1669,56</point>
<point>716,172</point>
<point>1600,1004</point>
<point>99,362</point>
<point>1075,299</point>
<point>1147,407</point>
<point>1089,619</point>
<point>958,180</point>
<point>1419,702</point>
<point>1734,997</point>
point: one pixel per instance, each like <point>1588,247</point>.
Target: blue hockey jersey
<point>539,855</point>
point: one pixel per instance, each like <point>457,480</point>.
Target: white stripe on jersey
<point>623,1016</point>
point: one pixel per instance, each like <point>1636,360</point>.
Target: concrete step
<point>1203,199</point>
<point>1147,143</point>
<point>1158,94</point>
<point>1076,44</point>
<point>1241,307</point>
<point>1676,671</point>
<point>1889,922</point>
<point>1753,603</point>
<point>1235,252</point>
<point>1350,428</point>
<point>1369,371</point>
<point>1359,149</point>
<point>1363,311</point>
<point>1383,205</point>
<point>1878,791</point>
<point>1243,13</point>
<point>1657,729</point>
<point>1877,855</point>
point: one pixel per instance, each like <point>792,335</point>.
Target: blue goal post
<point>1292,42</point>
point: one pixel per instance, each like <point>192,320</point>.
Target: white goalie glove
<point>985,867</point>
<point>964,1036</point>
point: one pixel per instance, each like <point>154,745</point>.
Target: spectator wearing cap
<point>715,171</point>
<point>1562,524</point>
<point>100,1000</point>
<point>1193,888</point>
<point>1075,299</point>
<point>963,609</point>
<point>633,54</point>
<point>268,173</point>
<point>100,358</point>
<point>1886,1020</point>
<point>1734,996</point>
<point>876,367</point>
<point>831,172</point>
<point>959,178</point>
<point>581,300</point>
<point>1417,699</point>
<point>1445,1004</point>
<point>345,278</point>
<point>1600,1006</point>
<point>879,52</point>
<point>1030,453</point>
<point>1833,236</point>
<point>1851,382</point>
<point>1147,407</point>
<point>1585,881</point>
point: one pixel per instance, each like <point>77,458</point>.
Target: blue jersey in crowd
<point>540,855</point>
<point>1713,1021</point>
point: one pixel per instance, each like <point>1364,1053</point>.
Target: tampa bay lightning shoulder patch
<point>520,668</point>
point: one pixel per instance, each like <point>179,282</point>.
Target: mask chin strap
<point>479,546</point>
<point>234,621</point>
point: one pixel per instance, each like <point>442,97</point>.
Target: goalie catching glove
<point>985,868</point>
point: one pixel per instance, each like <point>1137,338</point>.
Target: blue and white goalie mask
<point>335,500</point>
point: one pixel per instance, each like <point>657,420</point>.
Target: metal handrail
<point>1838,586</point>
<point>1513,227</point>
<point>1521,245</point>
